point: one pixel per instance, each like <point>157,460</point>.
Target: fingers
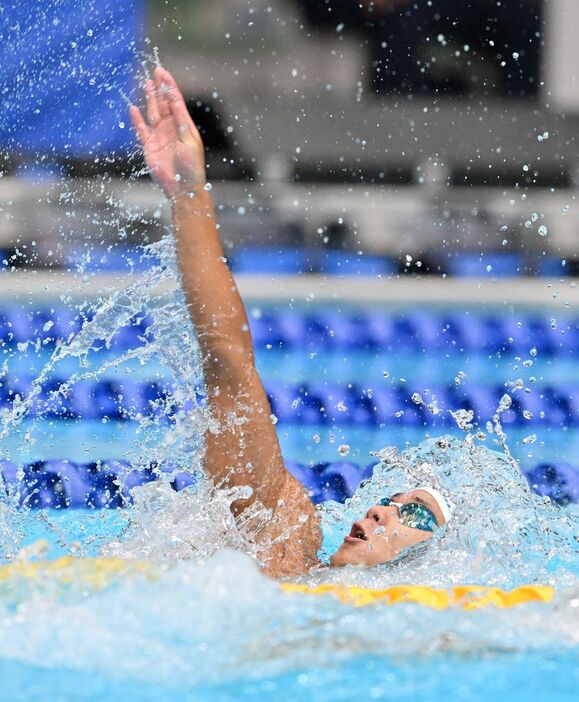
<point>162,90</point>
<point>176,104</point>
<point>139,124</point>
<point>153,115</point>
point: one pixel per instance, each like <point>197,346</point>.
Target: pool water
<point>212,627</point>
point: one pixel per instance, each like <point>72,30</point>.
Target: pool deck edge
<point>562,293</point>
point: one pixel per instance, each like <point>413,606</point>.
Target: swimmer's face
<point>379,537</point>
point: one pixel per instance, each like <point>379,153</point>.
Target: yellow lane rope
<point>101,572</point>
<point>463,596</point>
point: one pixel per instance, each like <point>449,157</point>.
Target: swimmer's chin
<point>348,557</point>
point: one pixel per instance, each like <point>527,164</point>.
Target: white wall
<point>561,62</point>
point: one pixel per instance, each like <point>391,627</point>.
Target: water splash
<point>501,533</point>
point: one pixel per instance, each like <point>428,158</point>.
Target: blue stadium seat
<point>475,265</point>
<point>270,260</point>
<point>552,267</point>
<point>350,263</point>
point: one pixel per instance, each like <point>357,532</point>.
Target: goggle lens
<point>413,515</point>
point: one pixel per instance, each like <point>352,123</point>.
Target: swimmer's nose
<point>382,515</point>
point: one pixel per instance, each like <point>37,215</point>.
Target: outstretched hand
<point>171,142</point>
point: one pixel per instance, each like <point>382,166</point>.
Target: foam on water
<point>219,619</point>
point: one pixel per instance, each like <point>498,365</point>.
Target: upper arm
<point>244,448</point>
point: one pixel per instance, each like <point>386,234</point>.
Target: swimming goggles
<point>412,515</point>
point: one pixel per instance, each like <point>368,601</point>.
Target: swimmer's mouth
<point>357,533</point>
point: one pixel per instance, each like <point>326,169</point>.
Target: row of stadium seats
<point>309,404</point>
<point>60,484</point>
<point>275,260</point>
<point>330,329</point>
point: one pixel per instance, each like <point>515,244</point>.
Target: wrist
<point>190,195</point>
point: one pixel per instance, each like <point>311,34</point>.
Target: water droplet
<point>542,230</point>
<point>207,187</point>
<point>273,419</point>
<point>530,439</point>
<point>343,449</point>
<point>505,402</point>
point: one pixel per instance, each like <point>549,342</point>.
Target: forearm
<point>211,294</point>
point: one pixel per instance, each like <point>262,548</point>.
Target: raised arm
<point>243,449</point>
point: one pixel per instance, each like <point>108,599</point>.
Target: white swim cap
<point>441,501</point>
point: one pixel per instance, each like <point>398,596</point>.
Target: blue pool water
<point>214,628</point>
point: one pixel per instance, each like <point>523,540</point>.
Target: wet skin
<point>379,537</point>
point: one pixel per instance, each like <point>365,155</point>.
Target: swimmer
<point>246,450</point>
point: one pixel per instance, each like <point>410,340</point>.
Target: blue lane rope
<point>321,403</point>
<point>365,329</point>
<point>61,484</point>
